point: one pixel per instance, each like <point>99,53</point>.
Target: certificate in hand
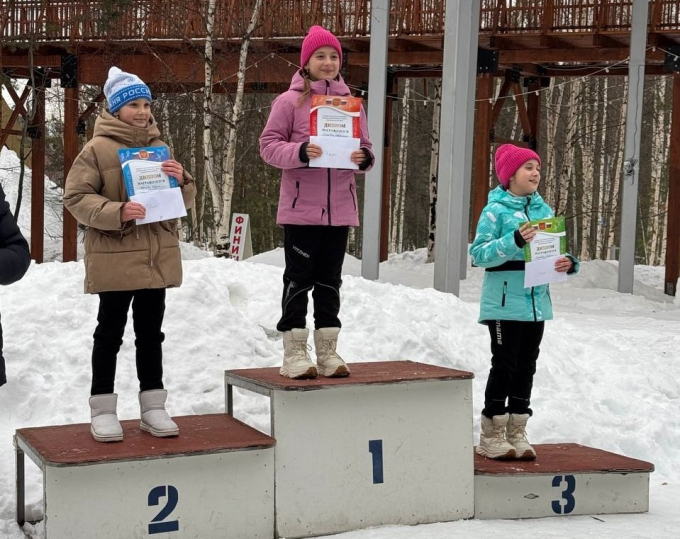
<point>335,127</point>
<point>549,244</point>
<point>147,184</point>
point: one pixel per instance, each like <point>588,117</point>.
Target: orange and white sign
<point>335,126</point>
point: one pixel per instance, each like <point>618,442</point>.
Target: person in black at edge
<point>14,259</point>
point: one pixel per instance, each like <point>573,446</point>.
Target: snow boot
<point>517,436</point>
<point>155,418</point>
<point>296,361</point>
<point>329,362</point>
<point>105,426</point>
<point>492,441</point>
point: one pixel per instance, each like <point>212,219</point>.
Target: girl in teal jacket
<point>514,315</point>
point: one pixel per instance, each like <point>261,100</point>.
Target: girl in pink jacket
<point>316,208</point>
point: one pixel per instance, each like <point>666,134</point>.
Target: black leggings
<point>515,349</point>
<point>148,308</point>
<point>314,257</point>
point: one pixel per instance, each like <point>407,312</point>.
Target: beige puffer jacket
<point>120,256</point>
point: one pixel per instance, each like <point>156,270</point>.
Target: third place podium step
<point>565,479</point>
<point>390,444</point>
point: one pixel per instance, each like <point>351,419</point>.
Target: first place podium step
<point>390,444</point>
<point>214,480</point>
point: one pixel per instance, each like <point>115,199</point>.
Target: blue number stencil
<point>157,525</point>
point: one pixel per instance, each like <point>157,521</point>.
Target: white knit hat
<point>121,88</point>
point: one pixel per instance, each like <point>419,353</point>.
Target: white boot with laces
<point>517,436</point>
<point>105,426</point>
<point>327,358</point>
<point>155,418</point>
<point>296,361</point>
<point>492,441</point>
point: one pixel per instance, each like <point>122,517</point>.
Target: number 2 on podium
<point>157,525</point>
<point>375,449</point>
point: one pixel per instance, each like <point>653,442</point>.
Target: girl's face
<point>324,64</point>
<point>526,179</point>
<point>136,113</point>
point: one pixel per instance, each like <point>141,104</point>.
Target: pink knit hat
<point>508,160</point>
<point>316,38</point>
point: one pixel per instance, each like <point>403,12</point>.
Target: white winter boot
<point>296,361</point>
<point>329,362</point>
<point>105,426</point>
<point>155,418</point>
<point>517,436</point>
<point>492,441</point>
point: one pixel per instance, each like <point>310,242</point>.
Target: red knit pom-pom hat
<point>316,38</point>
<point>508,160</point>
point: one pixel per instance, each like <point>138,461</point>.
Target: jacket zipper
<point>533,298</point>
<point>328,170</point>
<point>297,187</point>
<point>329,196</point>
<point>505,291</point>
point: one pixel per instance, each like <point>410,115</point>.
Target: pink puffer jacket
<point>309,196</point>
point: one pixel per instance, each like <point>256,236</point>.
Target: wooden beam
<point>187,68</point>
<point>70,225</point>
<point>500,100</point>
<point>482,147</point>
<point>672,213</point>
<point>18,107</point>
<point>599,55</point>
<point>522,109</point>
<point>12,60</point>
<point>534,111</point>
<point>38,178</point>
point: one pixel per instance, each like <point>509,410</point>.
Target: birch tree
<point>208,156</point>
<point>229,155</point>
<point>400,188</point>
<point>434,165</point>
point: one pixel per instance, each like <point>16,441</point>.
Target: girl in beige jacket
<point>125,263</point>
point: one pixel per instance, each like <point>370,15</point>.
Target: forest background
<point>581,144</point>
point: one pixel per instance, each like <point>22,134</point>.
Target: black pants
<point>148,308</point>
<point>515,349</point>
<point>314,257</point>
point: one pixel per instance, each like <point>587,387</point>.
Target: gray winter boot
<point>517,436</point>
<point>155,418</point>
<point>492,441</point>
<point>327,358</point>
<point>105,426</point>
<point>296,361</point>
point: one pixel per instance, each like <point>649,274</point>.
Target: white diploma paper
<point>161,205</point>
<point>336,152</point>
<point>542,271</point>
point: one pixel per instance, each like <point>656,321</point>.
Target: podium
<point>217,475</point>
<point>565,479</point>
<point>390,444</point>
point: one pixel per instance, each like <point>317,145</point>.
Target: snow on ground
<point>607,377</point>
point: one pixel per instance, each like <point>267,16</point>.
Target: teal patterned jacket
<point>503,294</point>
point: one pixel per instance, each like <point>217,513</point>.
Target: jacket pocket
<point>505,292</point>
<point>297,192</point>
<point>354,198</point>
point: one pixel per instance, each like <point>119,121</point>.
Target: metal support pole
<point>455,142</point>
<point>469,145</point>
<point>631,164</point>
<point>377,86</point>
